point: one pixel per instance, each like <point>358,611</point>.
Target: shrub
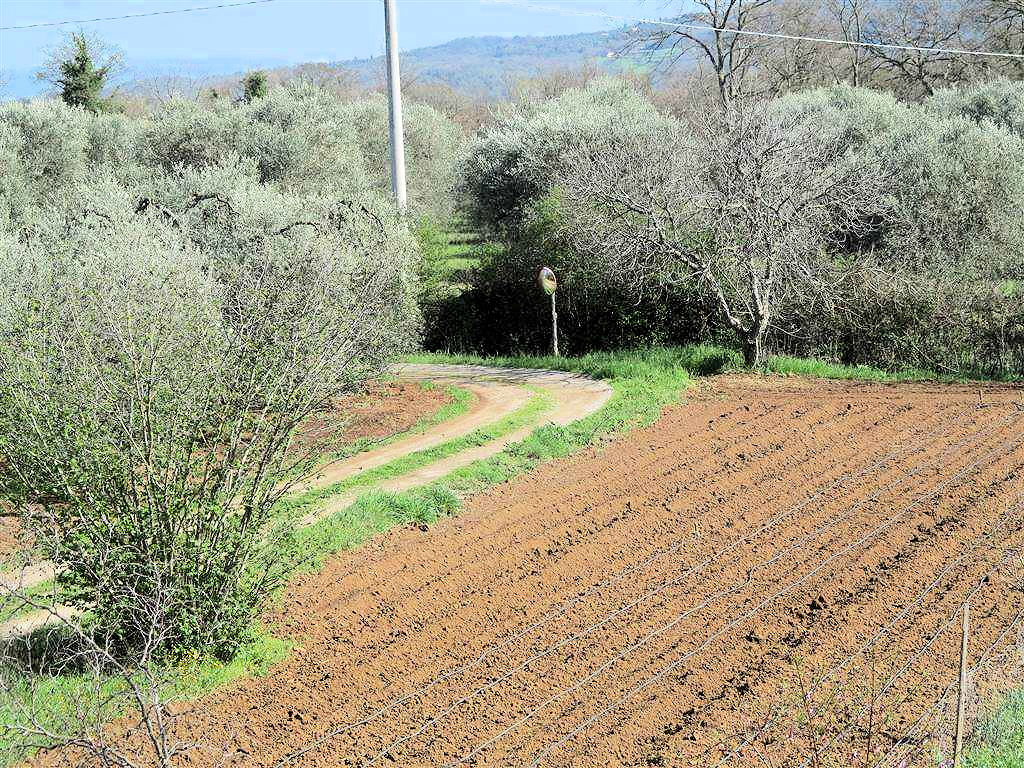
<point>954,189</point>
<point>46,143</point>
<point>999,102</point>
<point>433,145</point>
<point>510,163</point>
<point>159,343</point>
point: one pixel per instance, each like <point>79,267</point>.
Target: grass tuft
<point>999,740</point>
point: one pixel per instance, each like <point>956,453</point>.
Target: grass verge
<point>999,739</point>
<point>527,414</point>
<point>643,384</point>
<point>458,404</point>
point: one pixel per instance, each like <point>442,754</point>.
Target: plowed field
<point>772,574</point>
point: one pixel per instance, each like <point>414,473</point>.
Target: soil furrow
<point>701,570</point>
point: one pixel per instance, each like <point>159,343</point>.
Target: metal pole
<point>962,699</point>
<point>395,99</point>
<point>554,326</point>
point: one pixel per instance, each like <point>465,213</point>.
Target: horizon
<point>227,40</point>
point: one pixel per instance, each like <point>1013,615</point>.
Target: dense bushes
<point>506,187</point>
<point>299,139</point>
<point>1000,102</point>
<point>511,162</point>
<point>953,189</point>
<point>924,272</point>
<point>179,293</point>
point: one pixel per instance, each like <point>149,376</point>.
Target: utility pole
<point>395,100</point>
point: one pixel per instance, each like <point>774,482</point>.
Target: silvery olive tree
<point>742,202</point>
<point>156,356</point>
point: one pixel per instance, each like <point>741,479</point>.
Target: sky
<point>275,33</point>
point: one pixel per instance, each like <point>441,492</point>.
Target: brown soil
<point>712,580</point>
<point>381,411</point>
<point>10,536</point>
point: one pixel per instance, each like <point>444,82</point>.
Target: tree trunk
<point>753,348</point>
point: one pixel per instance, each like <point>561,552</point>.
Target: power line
<point>755,33</point>
<point>138,15</point>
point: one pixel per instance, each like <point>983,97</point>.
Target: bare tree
<point>762,47</point>
<point>74,692</point>
<point>731,59</point>
<point>1004,31</point>
<point>849,17</point>
<point>743,203</point>
<point>925,25</point>
<point>339,81</point>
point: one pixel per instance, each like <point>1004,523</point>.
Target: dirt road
<point>774,568</point>
<point>497,393</point>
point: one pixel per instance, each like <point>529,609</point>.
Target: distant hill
<point>483,66</point>
<point>487,65</point>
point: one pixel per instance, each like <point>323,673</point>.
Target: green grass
<point>821,369</point>
<point>643,383</point>
<point>12,608</point>
<point>999,739</point>
<point>458,404</point>
<point>538,403</point>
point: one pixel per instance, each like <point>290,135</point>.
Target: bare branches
<point>150,403</point>
<point>742,204</point>
<point>115,709</point>
<point>738,65</point>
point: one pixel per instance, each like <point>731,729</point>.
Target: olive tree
<point>156,357</point>
<point>509,164</point>
<point>954,173</point>
<point>999,102</point>
<point>433,146</point>
<point>743,203</point>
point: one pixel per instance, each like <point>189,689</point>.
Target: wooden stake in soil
<point>962,698</point>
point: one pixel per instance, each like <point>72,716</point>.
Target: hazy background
<point>227,40</point>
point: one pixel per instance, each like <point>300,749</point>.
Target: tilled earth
<point>772,574</point>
